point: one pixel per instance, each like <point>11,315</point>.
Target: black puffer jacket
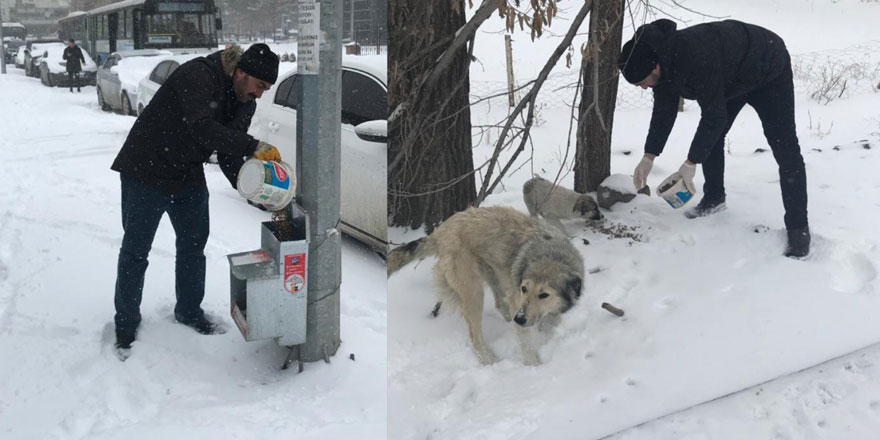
<point>194,113</point>
<point>710,63</point>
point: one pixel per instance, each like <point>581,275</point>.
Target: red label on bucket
<point>294,272</point>
<point>279,171</point>
<point>276,176</point>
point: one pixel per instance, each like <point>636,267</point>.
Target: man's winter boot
<point>707,206</point>
<point>71,90</point>
<point>201,325</point>
<point>124,338</point>
<point>78,90</point>
<point>798,243</point>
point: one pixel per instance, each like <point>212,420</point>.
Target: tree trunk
<point>435,177</point>
<point>593,157</point>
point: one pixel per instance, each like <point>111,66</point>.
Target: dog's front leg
<point>529,354</point>
<point>549,323</point>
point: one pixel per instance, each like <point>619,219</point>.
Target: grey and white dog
<point>556,203</point>
<point>534,272</point>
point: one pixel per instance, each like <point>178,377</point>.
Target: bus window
<point>160,23</point>
<point>129,25</point>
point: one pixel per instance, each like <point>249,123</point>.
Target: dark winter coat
<point>710,63</point>
<point>194,113</point>
<point>75,60</point>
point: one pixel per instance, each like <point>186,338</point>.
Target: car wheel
<point>101,101</point>
<point>126,105</point>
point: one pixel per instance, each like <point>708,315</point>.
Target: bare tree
<point>430,162</point>
<point>599,95</point>
<point>427,186</point>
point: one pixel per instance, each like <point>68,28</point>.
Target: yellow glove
<point>267,151</point>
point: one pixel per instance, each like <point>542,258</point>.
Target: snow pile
<point>712,307</point>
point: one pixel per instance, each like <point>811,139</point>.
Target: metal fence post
<point>318,129</point>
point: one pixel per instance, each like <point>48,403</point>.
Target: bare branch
<point>464,34</point>
<point>529,100</point>
<point>571,122</point>
<point>676,3</point>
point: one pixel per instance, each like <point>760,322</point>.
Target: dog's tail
<point>414,250</point>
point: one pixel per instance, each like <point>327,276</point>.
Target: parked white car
<point>33,54</point>
<point>19,57</point>
<point>119,76</point>
<point>148,86</point>
<point>53,68</point>
<point>364,141</point>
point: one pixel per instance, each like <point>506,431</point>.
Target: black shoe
<point>201,325</point>
<point>78,90</point>
<point>124,338</point>
<point>798,243</point>
<point>706,207</point>
<point>71,90</point>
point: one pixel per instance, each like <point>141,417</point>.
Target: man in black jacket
<point>724,66</point>
<point>74,60</point>
<point>205,106</point>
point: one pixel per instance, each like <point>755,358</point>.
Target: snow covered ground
<point>60,233</point>
<point>780,349</point>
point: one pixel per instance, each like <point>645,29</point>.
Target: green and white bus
<point>144,24</point>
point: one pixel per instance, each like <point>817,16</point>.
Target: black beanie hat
<point>637,60</point>
<point>260,62</point>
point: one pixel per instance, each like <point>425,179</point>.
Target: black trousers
<point>74,79</point>
<point>774,104</point>
<point>143,206</point>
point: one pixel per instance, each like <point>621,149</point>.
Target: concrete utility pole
<point>318,131</point>
<point>2,46</point>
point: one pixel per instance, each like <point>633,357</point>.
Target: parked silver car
<point>119,76</point>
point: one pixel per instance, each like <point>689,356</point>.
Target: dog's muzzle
<point>520,317</point>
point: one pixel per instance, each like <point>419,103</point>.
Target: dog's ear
<point>574,286</point>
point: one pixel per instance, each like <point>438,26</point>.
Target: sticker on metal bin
<point>294,272</point>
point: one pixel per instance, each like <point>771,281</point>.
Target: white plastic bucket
<point>268,183</point>
<point>674,191</point>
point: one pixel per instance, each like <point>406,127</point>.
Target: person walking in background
<point>206,105</point>
<point>723,66</point>
<point>74,60</point>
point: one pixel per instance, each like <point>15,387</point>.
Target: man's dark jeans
<point>143,205</point>
<point>774,104</point>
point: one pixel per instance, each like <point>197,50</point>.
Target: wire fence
<point>374,50</point>
<point>824,76</point>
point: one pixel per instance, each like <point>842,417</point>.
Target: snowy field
<point>723,337</point>
<point>60,232</point>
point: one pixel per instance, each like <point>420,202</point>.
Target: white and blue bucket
<point>674,191</point>
<point>271,184</point>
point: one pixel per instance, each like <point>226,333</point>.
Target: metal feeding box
<point>269,286</point>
